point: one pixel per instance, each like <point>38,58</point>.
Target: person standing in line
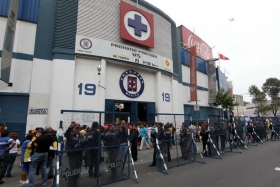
<point>42,145</point>
<point>143,133</point>
<point>149,134</point>
<point>12,154</point>
<point>25,158</point>
<point>6,144</point>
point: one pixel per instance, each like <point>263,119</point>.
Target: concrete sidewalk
<point>145,158</point>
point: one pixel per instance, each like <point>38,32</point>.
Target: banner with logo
<point>203,50</point>
<point>193,74</point>
<point>107,49</point>
<point>212,87</point>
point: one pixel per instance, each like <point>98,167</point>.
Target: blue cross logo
<point>138,25</point>
<point>132,84</point>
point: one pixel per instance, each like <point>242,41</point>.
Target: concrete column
<point>102,85</point>
<point>61,89</point>
<point>158,92</point>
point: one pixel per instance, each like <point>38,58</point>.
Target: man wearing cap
<point>75,140</point>
<point>6,144</point>
<point>94,144</point>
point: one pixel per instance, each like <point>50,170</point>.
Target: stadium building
<point>108,55</point>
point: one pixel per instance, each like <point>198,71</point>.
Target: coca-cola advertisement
<point>203,50</point>
<point>193,74</point>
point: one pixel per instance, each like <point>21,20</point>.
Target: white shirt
<point>15,148</point>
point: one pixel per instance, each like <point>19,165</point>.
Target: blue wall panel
<point>27,11</point>
<point>14,109</point>
<point>200,63</point>
<point>221,80</point>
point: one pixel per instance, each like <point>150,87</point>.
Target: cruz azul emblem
<point>131,83</point>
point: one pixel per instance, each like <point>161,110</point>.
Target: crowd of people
<point>83,145</point>
<point>36,151</point>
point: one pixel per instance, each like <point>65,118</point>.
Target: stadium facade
<point>108,55</point>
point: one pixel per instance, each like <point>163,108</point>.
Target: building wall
<point>56,78</point>
<point>22,56</point>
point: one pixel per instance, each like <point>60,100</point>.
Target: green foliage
<point>224,100</point>
<point>272,88</point>
<point>258,97</point>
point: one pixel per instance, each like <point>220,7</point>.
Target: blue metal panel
<point>13,112</point>
<point>4,7</point>
<point>221,80</point>
<point>27,11</point>
<point>200,65</point>
<point>204,113</point>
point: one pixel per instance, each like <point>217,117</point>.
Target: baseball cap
<point>77,125</point>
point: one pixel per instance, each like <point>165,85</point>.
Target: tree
<point>272,88</point>
<point>224,100</point>
<point>258,98</point>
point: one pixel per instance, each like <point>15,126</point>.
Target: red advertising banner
<point>193,74</point>
<point>203,50</point>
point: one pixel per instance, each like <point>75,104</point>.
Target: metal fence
<point>97,157</point>
<point>176,142</point>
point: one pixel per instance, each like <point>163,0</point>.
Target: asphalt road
<point>254,167</point>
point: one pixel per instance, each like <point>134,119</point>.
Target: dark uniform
<point>134,141</point>
<point>112,142</point>
<point>204,135</point>
<point>94,145</point>
<point>160,136</point>
<point>167,140</point>
<point>223,135</point>
<point>74,141</point>
<point>184,142</point>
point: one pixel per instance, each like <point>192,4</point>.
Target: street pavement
<point>254,167</point>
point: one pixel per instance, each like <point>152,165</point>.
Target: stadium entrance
<point>143,112</point>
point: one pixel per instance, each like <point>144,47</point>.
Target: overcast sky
<point>251,41</point>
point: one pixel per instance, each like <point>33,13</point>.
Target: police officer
<point>112,142</point>
<point>133,142</point>
<point>94,145</point>
<point>223,133</point>
<point>184,141</point>
<point>75,140</point>
<point>123,139</point>
<point>204,135</point>
<point>160,136</point>
<point>167,140</point>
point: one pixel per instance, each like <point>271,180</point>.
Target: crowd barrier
<point>113,163</point>
<point>95,166</point>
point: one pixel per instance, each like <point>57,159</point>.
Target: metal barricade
<point>177,146</point>
<point>98,157</point>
